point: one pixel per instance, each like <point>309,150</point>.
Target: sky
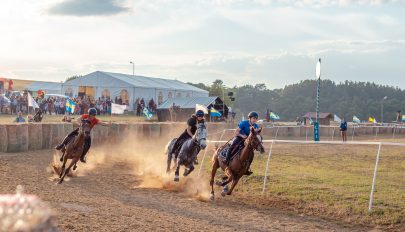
<point>276,42</point>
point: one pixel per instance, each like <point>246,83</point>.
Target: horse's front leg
<point>215,167</point>
<point>189,169</point>
<point>233,184</point>
<point>73,162</point>
<point>63,167</point>
<point>176,174</point>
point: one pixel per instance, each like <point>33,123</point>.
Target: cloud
<point>82,8</point>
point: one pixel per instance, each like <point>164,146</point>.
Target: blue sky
<point>239,41</point>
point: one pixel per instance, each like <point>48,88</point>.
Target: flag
<point>311,121</point>
<point>243,117</point>
<point>274,116</point>
<point>403,118</point>
<point>32,102</point>
<point>70,106</point>
<point>372,120</point>
<point>201,107</point>
<point>215,113</point>
<point>336,118</point>
<point>147,113</point>
<point>356,119</point>
<point>118,109</point>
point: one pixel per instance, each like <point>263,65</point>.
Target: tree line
<point>345,99</point>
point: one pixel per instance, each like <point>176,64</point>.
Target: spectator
<point>29,118</point>
<point>19,117</point>
<point>343,129</point>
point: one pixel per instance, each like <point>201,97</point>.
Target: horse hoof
<point>61,159</point>
<point>218,183</point>
<point>223,194</point>
<point>74,168</point>
<point>212,198</point>
<point>59,182</point>
<point>176,178</point>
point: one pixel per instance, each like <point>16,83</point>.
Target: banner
<point>403,118</point>
<point>372,120</point>
<point>274,116</point>
<point>336,119</point>
<point>118,109</point>
<point>215,113</point>
<point>201,107</point>
<point>32,102</point>
<point>70,106</point>
<point>147,113</point>
<point>356,119</point>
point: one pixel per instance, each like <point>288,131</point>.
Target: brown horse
<point>74,149</point>
<point>239,165</point>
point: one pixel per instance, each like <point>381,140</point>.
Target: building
<point>30,85</point>
<point>129,88</point>
<point>324,118</point>
<point>184,107</point>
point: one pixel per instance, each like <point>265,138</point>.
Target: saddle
<point>236,151</point>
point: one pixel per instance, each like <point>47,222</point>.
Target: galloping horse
<point>239,164</point>
<point>188,152</point>
<point>38,116</point>
<point>74,149</point>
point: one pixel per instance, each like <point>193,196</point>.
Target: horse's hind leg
<point>169,162</point>
<point>215,167</point>
<point>176,174</point>
<point>63,167</point>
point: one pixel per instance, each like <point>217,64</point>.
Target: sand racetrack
<point>107,197</point>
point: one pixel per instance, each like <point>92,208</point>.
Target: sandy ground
<point>107,197</point>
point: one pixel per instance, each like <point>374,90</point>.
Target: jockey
<point>241,133</point>
<point>91,116</point>
<point>189,132</point>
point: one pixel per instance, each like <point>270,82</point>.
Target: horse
<point>74,149</point>
<point>38,116</point>
<point>239,164</point>
<point>188,152</point>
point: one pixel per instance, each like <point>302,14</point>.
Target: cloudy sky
<point>239,41</point>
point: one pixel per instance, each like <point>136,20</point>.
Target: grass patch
<point>331,181</point>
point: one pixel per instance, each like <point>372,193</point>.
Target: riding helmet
<point>199,113</point>
<point>253,114</point>
<point>92,112</point>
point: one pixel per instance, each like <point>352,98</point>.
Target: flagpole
<point>316,124</point>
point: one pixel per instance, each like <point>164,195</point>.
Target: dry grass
<point>331,181</point>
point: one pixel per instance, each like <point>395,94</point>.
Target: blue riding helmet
<point>253,114</point>
<point>199,113</point>
<point>92,112</point>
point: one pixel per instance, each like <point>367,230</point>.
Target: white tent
<point>129,87</point>
<point>47,87</point>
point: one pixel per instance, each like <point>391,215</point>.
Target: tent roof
<point>321,115</point>
<point>136,81</point>
<point>187,102</point>
<point>43,85</point>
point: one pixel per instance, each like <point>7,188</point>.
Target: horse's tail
<point>169,146</point>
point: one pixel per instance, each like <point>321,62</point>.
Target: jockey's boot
<point>248,172</point>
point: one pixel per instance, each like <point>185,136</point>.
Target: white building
<point>105,84</point>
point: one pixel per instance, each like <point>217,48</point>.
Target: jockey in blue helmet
<point>241,133</point>
<point>189,132</point>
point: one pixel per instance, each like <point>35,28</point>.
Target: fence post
<point>267,167</point>
<point>374,178</point>
<point>275,137</point>
<point>306,133</point>
<point>333,133</point>
<point>354,128</point>
<point>376,132</point>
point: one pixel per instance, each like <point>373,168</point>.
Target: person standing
<point>19,118</point>
<point>343,129</point>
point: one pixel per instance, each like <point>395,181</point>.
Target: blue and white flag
<point>147,113</point>
<point>70,106</point>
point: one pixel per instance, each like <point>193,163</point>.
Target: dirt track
<point>107,199</point>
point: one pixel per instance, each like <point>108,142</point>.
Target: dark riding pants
<point>235,143</point>
<point>179,142</point>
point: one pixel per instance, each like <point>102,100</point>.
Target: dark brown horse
<point>38,116</point>
<point>74,149</point>
<point>239,165</point>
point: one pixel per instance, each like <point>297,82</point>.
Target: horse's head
<point>85,127</point>
<point>201,135</point>
<point>255,139</point>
